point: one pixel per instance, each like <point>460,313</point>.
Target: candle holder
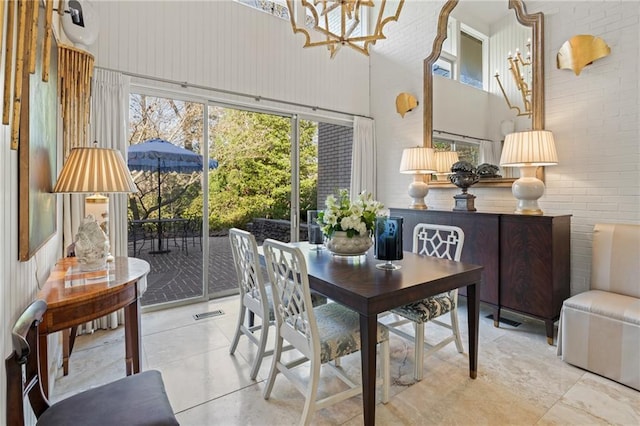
<point>313,230</point>
<point>388,242</point>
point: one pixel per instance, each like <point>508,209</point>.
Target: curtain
<point>489,152</point>
<point>363,157</point>
<point>108,126</point>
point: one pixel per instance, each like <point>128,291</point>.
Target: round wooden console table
<point>74,297</point>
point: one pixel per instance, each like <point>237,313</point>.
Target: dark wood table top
<point>370,290</point>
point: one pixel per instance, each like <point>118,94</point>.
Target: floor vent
<point>507,321</point>
<point>204,315</point>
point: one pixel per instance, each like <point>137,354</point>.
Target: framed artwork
<point>37,154</point>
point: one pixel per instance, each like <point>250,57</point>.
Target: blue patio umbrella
<point>160,156</point>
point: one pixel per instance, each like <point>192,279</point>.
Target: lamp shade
<point>530,148</point>
<point>444,160</point>
<point>417,160</point>
<point>93,169</point>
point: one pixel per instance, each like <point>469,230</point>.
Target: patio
<point>178,274</point>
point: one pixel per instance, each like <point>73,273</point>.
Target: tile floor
<point>520,381</point>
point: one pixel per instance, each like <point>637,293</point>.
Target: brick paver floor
<point>178,274</point>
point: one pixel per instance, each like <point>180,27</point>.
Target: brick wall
<point>334,159</point>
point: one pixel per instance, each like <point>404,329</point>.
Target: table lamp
<point>418,161</point>
<point>93,170</point>
<point>528,150</point>
<point>444,161</point>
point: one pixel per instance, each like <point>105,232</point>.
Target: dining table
<point>356,282</point>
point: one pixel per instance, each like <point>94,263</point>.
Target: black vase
<point>388,241</point>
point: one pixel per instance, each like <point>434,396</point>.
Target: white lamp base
<point>527,190</point>
<point>418,189</point>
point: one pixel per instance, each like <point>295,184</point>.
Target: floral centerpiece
<point>347,225</point>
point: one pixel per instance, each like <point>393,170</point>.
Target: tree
<point>180,123</point>
<point>253,178</point>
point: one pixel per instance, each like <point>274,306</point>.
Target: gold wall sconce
<point>580,51</point>
<point>405,102</point>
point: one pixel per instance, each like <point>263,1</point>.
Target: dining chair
<point>444,242</point>
<point>255,299</point>
<point>138,399</point>
<point>321,334</point>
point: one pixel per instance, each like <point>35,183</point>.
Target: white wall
<point>230,46</point>
<point>594,118</point>
<point>19,281</point>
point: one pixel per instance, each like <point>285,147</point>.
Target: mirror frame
<point>536,22</point>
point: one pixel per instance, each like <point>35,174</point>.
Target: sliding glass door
<point>261,171</point>
<point>166,214</point>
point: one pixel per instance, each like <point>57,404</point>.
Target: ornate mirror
<point>529,52</point>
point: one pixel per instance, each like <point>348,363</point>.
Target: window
<point>470,60</point>
<point>467,151</point>
<point>464,56</point>
<point>275,7</point>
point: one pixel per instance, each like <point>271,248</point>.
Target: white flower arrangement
<point>357,218</point>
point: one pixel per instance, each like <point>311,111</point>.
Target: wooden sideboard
<point>526,259</point>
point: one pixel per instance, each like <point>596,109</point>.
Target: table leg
<point>44,364</point>
<point>132,339</point>
<point>66,351</point>
<point>368,340</point>
<point>473,317</point>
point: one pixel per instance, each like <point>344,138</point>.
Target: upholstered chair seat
<point>339,331</point>
<point>427,309</point>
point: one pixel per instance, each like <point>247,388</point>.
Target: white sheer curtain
<point>363,157</point>
<point>108,126</point>
<point>490,152</point>
<point>109,116</point>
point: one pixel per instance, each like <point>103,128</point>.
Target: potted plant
<point>348,226</point>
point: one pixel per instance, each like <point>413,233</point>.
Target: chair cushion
<point>613,305</point>
<point>339,330</point>
<point>426,309</point>
<point>139,399</point>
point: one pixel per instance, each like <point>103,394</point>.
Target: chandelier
<point>337,23</point>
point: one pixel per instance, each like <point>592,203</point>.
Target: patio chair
<point>139,399</point>
<point>321,334</point>
<point>136,238</point>
<point>440,241</point>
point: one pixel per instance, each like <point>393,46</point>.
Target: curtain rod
<point>257,98</point>
<point>440,132</point>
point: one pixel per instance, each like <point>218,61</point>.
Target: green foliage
<point>253,178</point>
